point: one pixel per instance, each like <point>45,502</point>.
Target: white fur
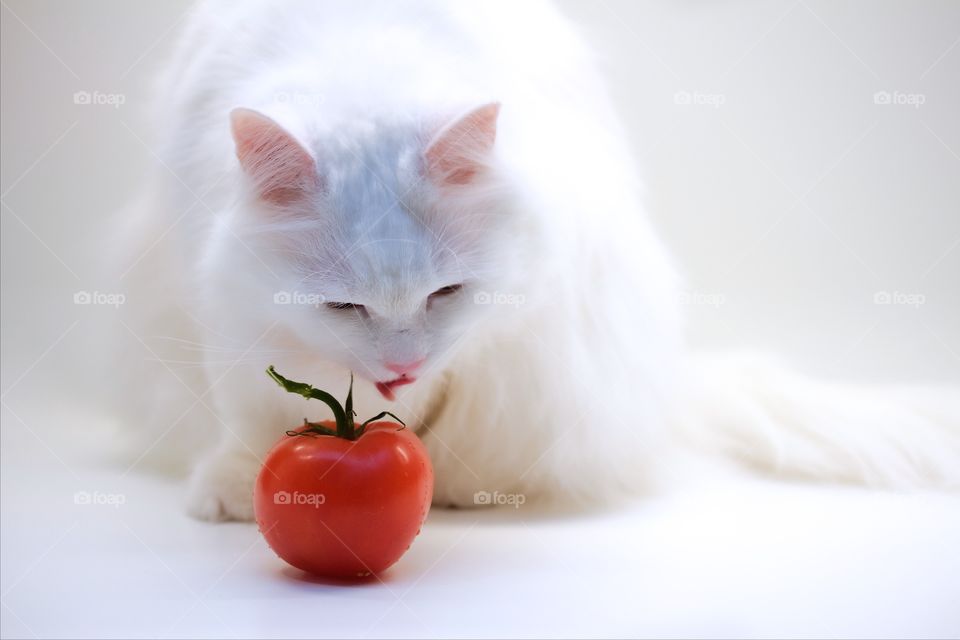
<point>565,394</point>
<point>778,421</point>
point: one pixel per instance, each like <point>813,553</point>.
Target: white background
<point>796,200</point>
<point>789,196</point>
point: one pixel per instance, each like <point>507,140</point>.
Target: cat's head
<point>380,236</point>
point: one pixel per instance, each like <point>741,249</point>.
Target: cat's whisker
<point>206,327</point>
<point>195,347</point>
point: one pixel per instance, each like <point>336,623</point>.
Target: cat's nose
<point>404,368</point>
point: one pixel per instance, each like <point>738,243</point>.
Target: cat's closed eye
<point>446,291</point>
<point>350,306</point>
<point>344,306</point>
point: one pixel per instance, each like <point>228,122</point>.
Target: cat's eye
<point>344,305</point>
<point>446,291</point>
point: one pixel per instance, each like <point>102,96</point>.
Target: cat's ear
<point>458,151</point>
<point>283,171</point>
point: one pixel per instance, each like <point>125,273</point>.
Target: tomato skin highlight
<point>344,508</point>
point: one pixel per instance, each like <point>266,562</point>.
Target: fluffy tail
<point>770,418</point>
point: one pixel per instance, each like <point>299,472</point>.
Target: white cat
<point>438,197</point>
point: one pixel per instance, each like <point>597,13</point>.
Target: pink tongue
<point>386,390</point>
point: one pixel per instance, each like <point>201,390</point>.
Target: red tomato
<point>343,505</point>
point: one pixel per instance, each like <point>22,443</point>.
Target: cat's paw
<point>221,487</point>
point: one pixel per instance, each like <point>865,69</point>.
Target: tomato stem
<point>343,414</point>
<point>363,426</point>
<point>312,429</point>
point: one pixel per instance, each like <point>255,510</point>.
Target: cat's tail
<point>762,414</point>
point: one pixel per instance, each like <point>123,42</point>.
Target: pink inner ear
<point>283,171</point>
<point>458,151</point>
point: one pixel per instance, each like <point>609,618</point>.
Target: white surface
<point>726,556</point>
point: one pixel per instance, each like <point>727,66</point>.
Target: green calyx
<point>343,414</point>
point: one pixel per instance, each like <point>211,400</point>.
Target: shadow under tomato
<point>293,574</point>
